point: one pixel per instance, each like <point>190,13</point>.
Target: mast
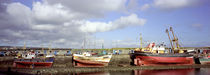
<point>102,45</point>
<point>140,41</point>
<point>169,39</point>
<point>42,48</point>
<point>175,40</point>
<point>24,47</point>
<point>84,42</point>
<point>49,46</point>
<point>94,42</point>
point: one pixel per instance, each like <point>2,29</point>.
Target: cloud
<point>145,7</point>
<point>125,43</point>
<point>3,5</point>
<point>122,22</point>
<point>197,26</point>
<point>64,23</point>
<point>43,27</point>
<point>46,13</point>
<point>133,5</point>
<point>93,8</point>
<point>174,4</point>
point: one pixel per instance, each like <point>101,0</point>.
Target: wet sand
<point>110,68</point>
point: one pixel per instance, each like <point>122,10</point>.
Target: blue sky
<point>116,23</point>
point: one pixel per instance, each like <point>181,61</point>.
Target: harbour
<point>138,61</point>
<point>63,65</point>
<point>106,37</point>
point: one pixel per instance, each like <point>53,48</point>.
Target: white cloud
<point>43,27</point>
<point>145,7</point>
<point>130,20</point>
<point>62,40</point>
<point>122,22</point>
<point>133,5</point>
<point>64,22</point>
<point>173,4</point>
<point>95,26</point>
<point>125,43</point>
<point>57,13</point>
<point>16,11</point>
<point>92,7</point>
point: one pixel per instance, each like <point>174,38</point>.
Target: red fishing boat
<point>158,55</point>
<point>30,60</point>
<point>144,59</point>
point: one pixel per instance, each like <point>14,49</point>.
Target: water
<point>198,71</point>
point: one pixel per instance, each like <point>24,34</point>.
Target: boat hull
<point>33,63</point>
<point>204,60</point>
<point>144,59</point>
<point>91,61</point>
<point>20,64</point>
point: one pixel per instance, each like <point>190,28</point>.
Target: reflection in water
<point>94,73</point>
<point>165,72</point>
<point>202,71</point>
<point>197,71</point>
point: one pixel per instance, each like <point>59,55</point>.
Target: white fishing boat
<point>86,59</point>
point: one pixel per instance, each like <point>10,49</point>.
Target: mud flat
<point>103,69</point>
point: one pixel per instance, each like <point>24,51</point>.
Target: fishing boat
<point>159,55</point>
<point>205,60</point>
<point>29,60</point>
<point>203,56</point>
<point>86,59</point>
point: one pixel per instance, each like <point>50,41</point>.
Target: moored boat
<point>204,60</point>
<point>144,59</point>
<point>86,59</point>
<point>159,55</point>
<point>30,60</point>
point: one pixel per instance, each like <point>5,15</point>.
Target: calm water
<point>199,71</point>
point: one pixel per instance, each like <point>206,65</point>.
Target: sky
<point>108,23</point>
